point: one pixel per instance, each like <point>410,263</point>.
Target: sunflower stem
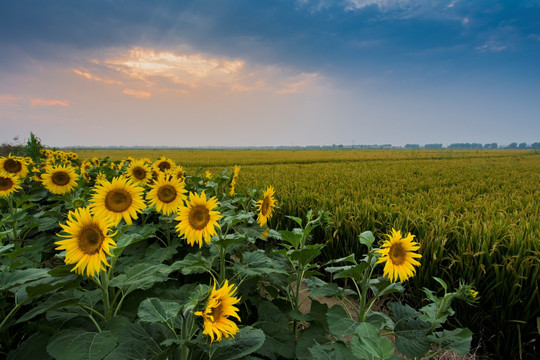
<point>105,290</point>
<point>12,212</point>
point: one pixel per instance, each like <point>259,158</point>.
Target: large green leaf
<point>257,263</point>
<point>56,301</point>
<point>339,322</point>
<point>156,310</point>
<point>370,345</point>
<point>35,347</point>
<point>458,340</point>
<point>141,276</point>
<point>279,339</point>
<point>330,351</point>
<point>320,288</point>
<point>11,279</point>
<point>78,344</point>
<point>411,336</point>
<point>245,342</point>
<point>138,341</point>
<point>193,264</point>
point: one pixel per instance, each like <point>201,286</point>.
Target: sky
<point>241,73</point>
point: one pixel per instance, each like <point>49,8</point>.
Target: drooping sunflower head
<point>117,199</point>
<point>167,193</point>
<point>198,219</point>
<point>399,256</point>
<point>59,179</point>
<point>95,161</point>
<point>8,184</point>
<point>13,165</point>
<point>163,164</point>
<point>220,307</point>
<point>87,241</point>
<point>139,172</point>
<point>265,207</point>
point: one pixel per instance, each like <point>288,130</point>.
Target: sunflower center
<point>397,254</point>
<point>265,206</point>
<point>90,239</point>
<point>139,173</point>
<point>166,193</point>
<point>12,166</point>
<point>60,178</point>
<point>164,165</point>
<point>118,200</point>
<point>5,183</point>
<point>216,312</point>
<point>199,217</point>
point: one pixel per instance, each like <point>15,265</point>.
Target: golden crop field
<point>475,212</point>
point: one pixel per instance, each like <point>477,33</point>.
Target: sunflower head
<point>399,256</point>
<point>266,206</point>
<point>163,164</point>
<point>86,241</point>
<point>139,172</point>
<point>59,179</point>
<point>198,219</point>
<point>167,193</point>
<point>13,165</point>
<point>8,184</point>
<point>219,308</point>
<point>117,199</point>
<point>234,178</point>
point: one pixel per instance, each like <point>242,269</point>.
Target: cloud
<point>95,78</point>
<point>9,98</point>
<point>43,102</point>
<point>137,93</point>
<point>188,69</point>
<point>293,87</point>
<point>381,4</point>
<point>147,72</point>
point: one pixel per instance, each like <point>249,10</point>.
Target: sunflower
<point>398,254</point>
<point>117,199</point>
<point>139,172</point>
<point>167,193</point>
<point>8,184</point>
<point>219,308</point>
<point>59,179</point>
<point>233,181</point>
<point>178,172</point>
<point>197,219</point>
<point>266,206</point>
<point>163,164</point>
<point>13,165</point>
<point>95,161</point>
<point>87,241</point>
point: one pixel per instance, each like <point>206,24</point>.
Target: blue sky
<point>254,73</point>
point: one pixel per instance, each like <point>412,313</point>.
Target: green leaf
<point>78,344</point>
<point>382,286</point>
<point>14,278</point>
<point>193,264</point>
<point>457,340</point>
<point>296,219</point>
<point>340,323</point>
<point>412,336</point>
<point>355,272</point>
<point>369,344</point>
<point>366,238</point>
<point>380,320</point>
<point>320,288</point>
<point>349,258</point>
<point>139,341</point>
<point>56,301</point>
<point>306,255</point>
<point>133,235</point>
<point>279,339</point>
<point>245,342</point>
<point>155,310</point>
<point>35,347</point>
<point>257,263</point>
<point>291,237</point>
<point>141,276</point>
<point>330,351</point>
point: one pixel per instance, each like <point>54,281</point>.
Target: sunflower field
<point>141,258</point>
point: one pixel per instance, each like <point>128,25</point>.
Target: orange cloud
<point>9,98</point>
<point>137,94</point>
<point>301,81</point>
<point>95,78</point>
<point>43,102</point>
<point>182,69</point>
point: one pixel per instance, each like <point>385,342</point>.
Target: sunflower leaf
<point>156,310</point>
<point>78,344</point>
